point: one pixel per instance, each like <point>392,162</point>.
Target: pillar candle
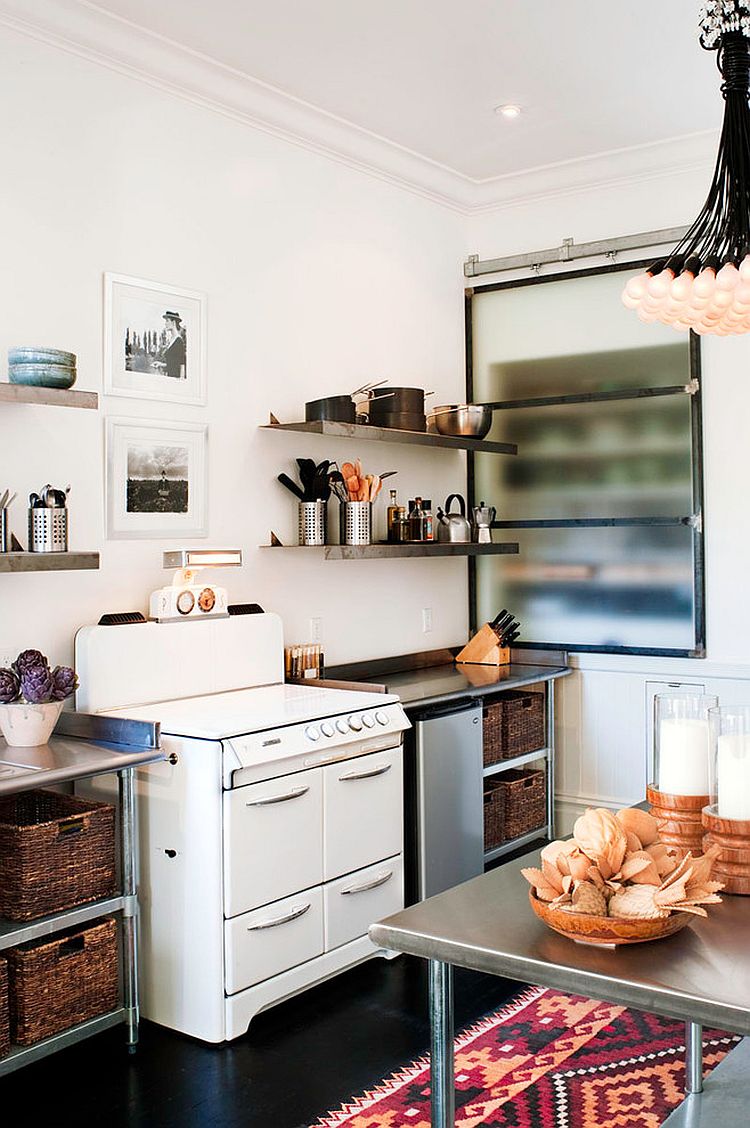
<point>683,756</point>
<point>733,776</point>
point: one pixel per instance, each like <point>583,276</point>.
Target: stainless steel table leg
<point>443,1097</point>
<point>129,923</point>
<point>693,1057</point>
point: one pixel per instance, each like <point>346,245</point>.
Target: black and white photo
<point>154,341</point>
<point>155,478</point>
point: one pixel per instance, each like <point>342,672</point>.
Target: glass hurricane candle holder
<point>726,819</point>
<point>680,789</point>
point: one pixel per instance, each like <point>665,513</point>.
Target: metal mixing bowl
<point>469,420</point>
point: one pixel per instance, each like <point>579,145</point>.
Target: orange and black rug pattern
<point>547,1060</point>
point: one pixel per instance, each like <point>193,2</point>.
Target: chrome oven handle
<point>380,880</point>
<point>295,793</point>
<point>366,775</point>
<point>293,915</point>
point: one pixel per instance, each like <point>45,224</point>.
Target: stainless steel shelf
<point>24,1055</point>
<point>391,435</point>
<point>515,843</point>
<point>516,762</point>
<point>13,932</point>
<point>48,561</point>
<point>384,551</point>
<point>54,397</point>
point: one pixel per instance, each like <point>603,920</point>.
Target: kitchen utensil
<point>290,485</point>
<point>312,522</point>
<point>3,530</point>
<point>482,517</point>
<point>48,529</point>
<point>502,623</point>
<point>307,470</point>
<point>400,421</point>
<point>388,474</point>
<point>355,522</point>
<point>470,420</point>
<point>453,528</point>
<point>321,489</point>
<point>334,409</point>
<point>3,499</point>
<point>398,400</point>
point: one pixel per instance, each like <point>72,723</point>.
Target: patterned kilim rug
<point>547,1060</point>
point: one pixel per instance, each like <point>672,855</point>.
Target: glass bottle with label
<point>429,524</point>
<point>416,521</point>
<point>391,515</point>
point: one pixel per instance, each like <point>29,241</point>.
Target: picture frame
<point>155,479</point>
<point>154,341</point>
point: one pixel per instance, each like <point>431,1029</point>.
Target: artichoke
<point>64,683</point>
<point>9,687</point>
<point>27,660</point>
<point>37,685</point>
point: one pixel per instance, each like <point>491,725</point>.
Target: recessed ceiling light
<point>508,110</point>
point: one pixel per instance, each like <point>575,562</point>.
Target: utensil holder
<point>3,530</point>
<point>48,530</point>
<point>312,522</point>
<point>355,522</point>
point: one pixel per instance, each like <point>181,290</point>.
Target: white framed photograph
<point>154,341</point>
<point>155,479</point>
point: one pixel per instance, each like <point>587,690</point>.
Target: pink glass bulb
<point>705,283</point>
<point>636,286</point>
<point>660,285</point>
<point>742,293</point>
<point>628,301</point>
<point>728,277</point>
<point>682,287</point>
<point>745,269</point>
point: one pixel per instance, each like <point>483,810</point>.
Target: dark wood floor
<point>297,1061</point>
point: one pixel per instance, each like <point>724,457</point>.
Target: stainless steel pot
<point>468,420</point>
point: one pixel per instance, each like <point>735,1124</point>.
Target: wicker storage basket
<point>494,810</point>
<point>56,851</point>
<point>524,801</point>
<point>4,1014</point>
<point>513,725</point>
<point>57,983</point>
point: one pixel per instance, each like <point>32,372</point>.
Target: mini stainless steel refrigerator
<point>444,811</point>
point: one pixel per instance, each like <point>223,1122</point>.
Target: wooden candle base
<point>733,863</point>
<point>680,820</point>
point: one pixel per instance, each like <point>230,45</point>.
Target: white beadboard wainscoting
<point>604,725</point>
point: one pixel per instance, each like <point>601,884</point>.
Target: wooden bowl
<point>606,930</point>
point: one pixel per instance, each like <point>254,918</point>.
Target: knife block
<point>483,649</point>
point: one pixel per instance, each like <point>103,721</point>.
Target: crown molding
<point>82,28</point>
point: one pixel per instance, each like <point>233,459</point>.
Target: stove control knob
<point>342,726</point>
<point>327,729</point>
<point>381,718</point>
<point>312,733</point>
<point>355,724</point>
<point>369,720</point>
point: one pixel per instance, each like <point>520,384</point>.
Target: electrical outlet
<point>426,620</point>
<point>7,656</point>
<point>316,630</point>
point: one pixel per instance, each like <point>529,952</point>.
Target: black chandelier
<point>704,284</point>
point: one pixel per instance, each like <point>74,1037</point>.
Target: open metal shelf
<point>516,843</point>
<point>24,1055</point>
<point>52,397</point>
<point>48,561</point>
<point>14,932</point>
<point>391,435</point>
<point>387,551</point>
<point>516,762</point>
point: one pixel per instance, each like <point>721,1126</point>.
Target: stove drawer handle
<point>295,793</point>
<point>380,880</point>
<point>366,775</point>
<point>293,915</point>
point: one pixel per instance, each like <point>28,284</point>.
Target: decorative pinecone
<point>27,660</point>
<point>37,685</point>
<point>9,687</point>
<point>64,682</point>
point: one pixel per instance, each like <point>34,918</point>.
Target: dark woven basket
<point>56,851</point>
<point>513,725</point>
<point>55,984</point>
<point>4,1013</point>
<point>494,811</point>
<point>524,801</point>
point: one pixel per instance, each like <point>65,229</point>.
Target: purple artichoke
<point>29,659</point>
<point>9,687</point>
<point>37,685</point>
<point>64,683</point>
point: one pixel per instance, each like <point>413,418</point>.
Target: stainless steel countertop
<point>435,684</point>
<point>64,759</point>
<point>701,974</point>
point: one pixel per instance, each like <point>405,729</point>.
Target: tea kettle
<point>453,528</point>
<point>482,518</point>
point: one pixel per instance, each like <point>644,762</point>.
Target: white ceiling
<point>407,88</point>
<point>427,74</point>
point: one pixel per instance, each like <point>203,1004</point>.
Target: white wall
<point>604,708</point>
<point>318,277</point>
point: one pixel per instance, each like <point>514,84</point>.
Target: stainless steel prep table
<point>700,975</point>
<point>79,749</point>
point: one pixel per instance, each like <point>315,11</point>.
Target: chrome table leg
<point>443,1097</point>
<point>693,1057</point>
<point>129,923</point>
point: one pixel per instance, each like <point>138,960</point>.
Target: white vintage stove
<point>273,836</point>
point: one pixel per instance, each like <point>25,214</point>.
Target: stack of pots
<point>399,408</point>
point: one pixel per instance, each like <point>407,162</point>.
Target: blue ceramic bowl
<point>32,354</point>
<point>42,375</point>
